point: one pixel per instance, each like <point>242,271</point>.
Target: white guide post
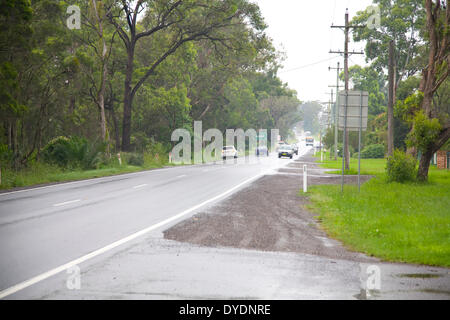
<point>305,179</point>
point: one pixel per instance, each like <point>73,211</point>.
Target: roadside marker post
<point>305,177</point>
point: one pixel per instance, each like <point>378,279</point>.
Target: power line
<point>309,65</point>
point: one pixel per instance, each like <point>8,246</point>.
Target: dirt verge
<point>269,215</point>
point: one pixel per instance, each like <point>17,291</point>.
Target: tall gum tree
<point>433,76</point>
<point>182,21</point>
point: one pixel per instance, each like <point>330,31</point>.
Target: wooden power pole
<point>336,109</point>
<point>346,53</point>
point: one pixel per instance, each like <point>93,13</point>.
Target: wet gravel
<point>268,215</point>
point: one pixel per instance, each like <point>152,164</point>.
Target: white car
<point>228,152</point>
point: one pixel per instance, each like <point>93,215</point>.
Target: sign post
<point>353,115</point>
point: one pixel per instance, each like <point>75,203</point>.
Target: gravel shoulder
<point>268,215</point>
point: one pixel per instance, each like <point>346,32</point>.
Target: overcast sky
<point>301,29</point>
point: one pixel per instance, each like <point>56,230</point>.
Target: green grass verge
<point>42,174</point>
<point>368,166</point>
<point>396,222</point>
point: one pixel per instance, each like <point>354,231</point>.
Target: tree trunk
<point>127,104</point>
<point>424,165</point>
<point>422,173</point>
<point>104,71</point>
<point>101,94</point>
<point>116,127</point>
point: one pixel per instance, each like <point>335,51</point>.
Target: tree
<point>15,17</point>
<point>310,112</point>
<point>431,128</point>
<point>284,111</point>
<point>182,21</point>
<point>103,51</point>
<point>401,21</point>
<point>368,79</point>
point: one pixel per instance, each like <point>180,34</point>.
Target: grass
<point>42,173</point>
<point>368,166</point>
<point>396,222</point>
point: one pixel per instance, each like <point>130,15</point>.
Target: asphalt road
<point>45,228</point>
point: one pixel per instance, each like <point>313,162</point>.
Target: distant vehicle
<point>262,151</point>
<point>295,148</point>
<point>285,151</point>
<point>228,152</point>
<point>309,141</point>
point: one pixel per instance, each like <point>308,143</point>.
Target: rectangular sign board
<point>357,103</point>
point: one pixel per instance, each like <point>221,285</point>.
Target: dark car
<point>295,147</point>
<point>262,151</point>
<point>285,151</point>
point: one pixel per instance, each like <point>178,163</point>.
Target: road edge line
<point>27,283</point>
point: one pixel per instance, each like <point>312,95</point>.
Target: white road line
<point>140,186</point>
<point>52,272</point>
<point>93,180</point>
<point>66,203</point>
<point>182,176</point>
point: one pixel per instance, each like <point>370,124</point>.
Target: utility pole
<point>331,118</point>
<point>346,53</point>
<point>336,109</point>
<point>322,125</point>
<point>390,108</point>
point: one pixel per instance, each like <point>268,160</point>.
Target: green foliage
<point>407,108</point>
<point>133,158</point>
<point>425,131</point>
<point>373,151</point>
<point>50,80</point>
<point>401,167</point>
<point>72,153</point>
<point>155,155</point>
<point>400,20</point>
<point>368,79</point>
<point>310,112</point>
<point>6,156</point>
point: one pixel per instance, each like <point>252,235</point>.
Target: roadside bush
<point>73,152</point>
<point>401,167</point>
<point>373,151</point>
<point>133,158</point>
<point>155,155</point>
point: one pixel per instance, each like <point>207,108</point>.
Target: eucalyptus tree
<point>182,22</point>
<point>401,21</point>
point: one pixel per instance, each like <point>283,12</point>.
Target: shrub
<point>401,167</point>
<point>155,155</point>
<point>373,151</point>
<point>133,159</point>
<point>6,156</point>
<point>73,152</point>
